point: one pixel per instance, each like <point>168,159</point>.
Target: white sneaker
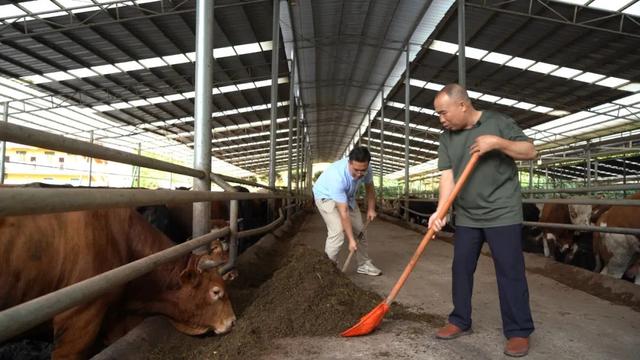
<point>369,269</point>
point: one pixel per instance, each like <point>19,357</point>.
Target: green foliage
<point>316,176</point>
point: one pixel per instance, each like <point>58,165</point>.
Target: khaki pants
<point>335,233</point>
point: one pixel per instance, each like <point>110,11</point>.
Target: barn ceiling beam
<point>71,22</point>
<point>569,14</point>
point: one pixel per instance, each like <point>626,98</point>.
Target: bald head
<point>454,108</point>
<point>455,92</point>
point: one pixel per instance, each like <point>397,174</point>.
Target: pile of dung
<point>26,349</point>
<point>305,296</point>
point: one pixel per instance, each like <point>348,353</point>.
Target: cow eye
<point>216,293</point>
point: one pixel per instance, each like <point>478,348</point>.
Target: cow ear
<point>216,247</point>
<point>189,276</point>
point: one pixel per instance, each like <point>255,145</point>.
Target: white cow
<point>616,253</point>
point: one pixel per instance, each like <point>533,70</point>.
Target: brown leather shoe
<point>517,347</point>
<point>451,331</point>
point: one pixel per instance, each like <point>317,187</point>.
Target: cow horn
<point>209,264</point>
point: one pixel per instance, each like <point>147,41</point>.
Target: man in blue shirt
<point>334,194</point>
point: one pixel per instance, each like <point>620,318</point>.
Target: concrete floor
<point>570,324</point>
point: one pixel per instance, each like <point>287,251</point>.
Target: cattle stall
<point>32,201</point>
<point>571,237</point>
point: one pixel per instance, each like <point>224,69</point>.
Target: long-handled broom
<point>370,321</point>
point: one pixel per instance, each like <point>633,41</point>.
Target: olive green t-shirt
<point>491,197</point>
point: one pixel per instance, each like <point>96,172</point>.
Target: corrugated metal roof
<point>347,53</point>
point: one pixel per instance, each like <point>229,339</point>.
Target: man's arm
<point>445,189</point>
<point>345,220</point>
<point>371,201</point>
<point>517,150</point>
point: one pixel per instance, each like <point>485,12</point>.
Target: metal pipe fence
<point>24,135</point>
<point>263,229</point>
<point>626,187</point>
<point>569,201</point>
<point>23,201</point>
<point>16,201</point>
<point>584,201</point>
<point>24,316</point>
<point>603,229</point>
<point>33,312</point>
<point>589,228</point>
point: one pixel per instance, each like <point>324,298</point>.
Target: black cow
<point>422,207</point>
<point>583,256</point>
<point>175,220</point>
<point>427,208</point>
<point>531,235</point>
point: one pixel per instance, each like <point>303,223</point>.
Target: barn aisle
<point>569,323</point>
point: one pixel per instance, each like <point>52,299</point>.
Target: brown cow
<point>43,253</point>
<point>556,241</point>
<point>121,319</point>
<point>615,252</point>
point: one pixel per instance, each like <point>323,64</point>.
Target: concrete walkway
<point>570,324</point>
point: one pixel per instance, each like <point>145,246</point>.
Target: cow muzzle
<point>190,329</point>
<point>226,326</point>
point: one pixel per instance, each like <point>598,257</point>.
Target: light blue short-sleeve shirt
<point>336,183</point>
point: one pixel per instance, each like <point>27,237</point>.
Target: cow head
<point>559,244</point>
<point>219,251</point>
<point>580,214</point>
<point>204,304</point>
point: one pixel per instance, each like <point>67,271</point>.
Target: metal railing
<point>23,201</point>
<point>584,201</point>
<point>625,187</point>
<point>576,201</point>
<point>26,201</point>
<point>603,229</point>
<point>24,135</point>
<point>33,312</point>
<point>414,212</point>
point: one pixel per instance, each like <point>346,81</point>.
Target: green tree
<point>316,175</point>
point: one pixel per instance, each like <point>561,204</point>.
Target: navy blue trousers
<point>506,249</point>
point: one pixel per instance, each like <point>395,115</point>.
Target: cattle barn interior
<point>244,103</point>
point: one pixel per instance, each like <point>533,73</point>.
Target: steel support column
<point>303,162</point>
<point>588,162</point>
<point>275,39</point>
<point>369,129</point>
<point>407,94</point>
<point>91,138</point>
<point>309,171</point>
<point>202,112</point>
<point>462,78</point>
<point>5,118</point>
<point>381,185</point>
<point>291,112</point>
<point>139,168</point>
<point>298,148</point>
<point>530,178</point>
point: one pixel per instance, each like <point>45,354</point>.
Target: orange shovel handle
<point>440,214</point>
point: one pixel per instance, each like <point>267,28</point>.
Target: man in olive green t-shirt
<point>488,208</point>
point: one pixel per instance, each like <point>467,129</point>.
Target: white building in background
<point>27,164</point>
